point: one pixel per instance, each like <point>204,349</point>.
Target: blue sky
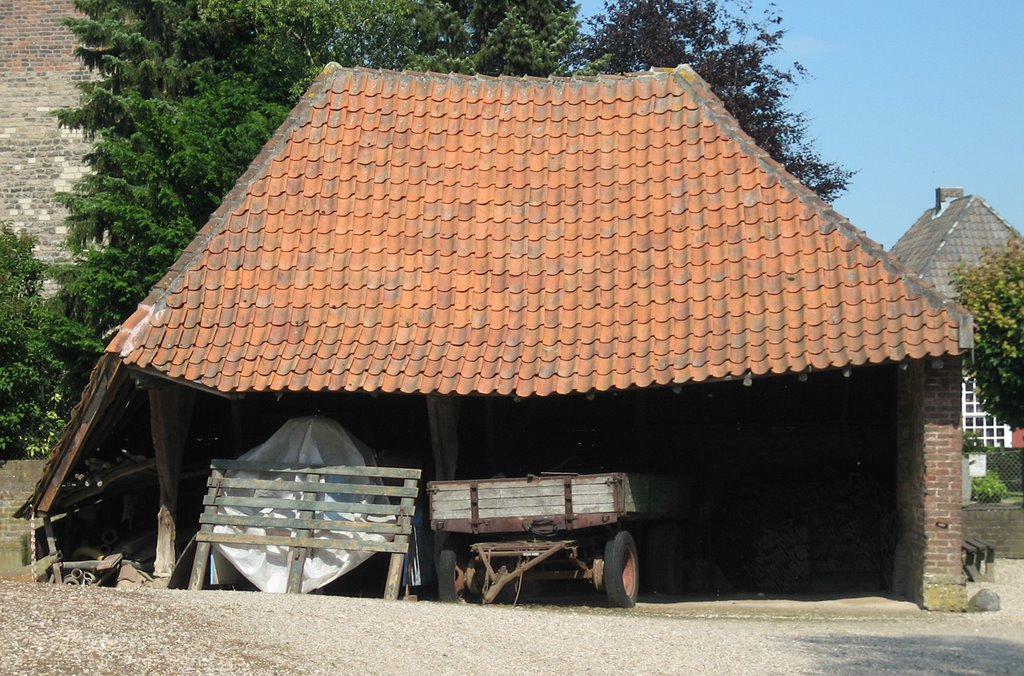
<point>913,95</point>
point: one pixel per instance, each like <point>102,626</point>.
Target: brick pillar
<point>927,562</point>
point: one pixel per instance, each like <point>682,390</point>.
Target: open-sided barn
<point>514,275</point>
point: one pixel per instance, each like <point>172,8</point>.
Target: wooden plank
<point>524,507</point>
<point>548,501</point>
<point>532,481</point>
<point>315,505</point>
<point>297,555</point>
<point>308,542</point>
<point>397,563</point>
<point>516,512</point>
<point>508,493</point>
<point>546,489</point>
<point>317,487</point>
<point>202,555</point>
<point>335,470</point>
<point>315,524</point>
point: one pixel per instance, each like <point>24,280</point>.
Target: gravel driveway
<point>64,629</point>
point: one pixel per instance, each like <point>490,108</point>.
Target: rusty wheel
<point>621,570</point>
<point>451,577</point>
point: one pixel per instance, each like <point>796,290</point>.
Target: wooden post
<point>443,413</point>
<point>491,436</point>
<point>202,546</point>
<point>51,545</point>
<point>397,565</point>
<point>297,555</point>
<point>237,435</point>
<point>170,411</point>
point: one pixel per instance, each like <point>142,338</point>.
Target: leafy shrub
<point>989,488</point>
<point>29,370</point>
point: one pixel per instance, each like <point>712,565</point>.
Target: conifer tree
<point>185,92</point>
<point>502,37</point>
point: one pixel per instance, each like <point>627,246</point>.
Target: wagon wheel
<point>663,558</point>
<point>621,570</point>
<point>451,577</point>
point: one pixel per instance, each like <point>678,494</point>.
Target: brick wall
<point>929,440</point>
<point>908,565</point>
<point>1002,526</point>
<point>17,479</point>
<point>37,75</point>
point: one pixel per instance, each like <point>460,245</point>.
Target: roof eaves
<point>716,108</point>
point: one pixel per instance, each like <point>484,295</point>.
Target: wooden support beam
<point>51,545</point>
<point>491,436</point>
<point>170,412</point>
<point>443,413</point>
<point>237,434</point>
<point>107,377</point>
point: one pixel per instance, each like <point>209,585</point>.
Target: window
<point>988,429</point>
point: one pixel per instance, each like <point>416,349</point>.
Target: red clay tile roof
<point>442,233</point>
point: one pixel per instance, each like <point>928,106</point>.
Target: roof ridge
<point>702,90</point>
<point>538,79</point>
<point>968,201</point>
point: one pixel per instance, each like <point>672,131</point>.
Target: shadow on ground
<point>929,654</point>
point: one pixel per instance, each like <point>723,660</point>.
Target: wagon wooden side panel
<point>549,503</point>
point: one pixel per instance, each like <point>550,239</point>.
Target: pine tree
<point>504,37</point>
<point>185,93</point>
<point>174,118</point>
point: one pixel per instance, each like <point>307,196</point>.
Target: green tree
<point>503,37</point>
<point>28,367</point>
<point>734,53</point>
<point>372,33</point>
<point>994,292</point>
<point>185,93</point>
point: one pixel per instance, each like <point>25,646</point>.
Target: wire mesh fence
<point>1004,477</point>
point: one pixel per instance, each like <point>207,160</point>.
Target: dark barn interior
<point>793,477</point>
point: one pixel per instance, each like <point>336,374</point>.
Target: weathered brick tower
<point>38,73</point>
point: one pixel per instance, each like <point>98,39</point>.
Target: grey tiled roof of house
<point>959,227</point>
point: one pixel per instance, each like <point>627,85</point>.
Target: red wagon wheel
<point>621,570</point>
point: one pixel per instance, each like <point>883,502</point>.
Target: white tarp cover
<point>312,440</point>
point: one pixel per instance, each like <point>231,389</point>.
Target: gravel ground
<point>64,629</point>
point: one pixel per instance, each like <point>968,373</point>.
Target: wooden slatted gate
<point>398,485</point>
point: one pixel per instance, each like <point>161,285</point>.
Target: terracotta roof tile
<point>434,233</point>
